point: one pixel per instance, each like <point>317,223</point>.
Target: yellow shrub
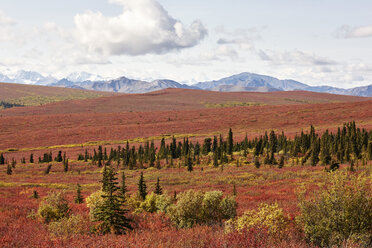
<point>270,217</point>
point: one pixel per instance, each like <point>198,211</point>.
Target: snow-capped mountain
<point>83,76</point>
<point>123,85</point>
<point>30,77</point>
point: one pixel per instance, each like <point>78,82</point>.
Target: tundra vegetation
<point>310,190</point>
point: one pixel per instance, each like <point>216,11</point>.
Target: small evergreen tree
<point>65,165</point>
<point>48,168</point>
<point>111,212</point>
<point>79,198</point>
<point>230,143</point>
<point>31,158</point>
<point>189,163</point>
<point>257,162</point>
<point>123,186</point>
<point>9,170</point>
<point>35,194</point>
<point>281,162</point>
<point>142,188</point>
<point>2,159</point>
<point>234,190</point>
<point>158,189</point>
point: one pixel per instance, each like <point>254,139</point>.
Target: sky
<point>317,42</point>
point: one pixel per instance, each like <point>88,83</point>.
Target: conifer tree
<point>35,194</point>
<point>9,170</point>
<point>2,159</point>
<point>48,168</point>
<point>111,213</point>
<point>234,190</point>
<point>230,143</point>
<point>142,188</point>
<point>281,162</point>
<point>215,160</point>
<point>257,162</point>
<point>31,158</point>
<point>189,163</point>
<point>59,156</point>
<point>123,186</point>
<point>65,165</point>
<point>79,198</point>
<point>158,189</point>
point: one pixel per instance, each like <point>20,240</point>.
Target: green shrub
<point>341,211</point>
<point>267,216</point>
<point>67,226</point>
<point>53,207</point>
<point>195,207</point>
<point>153,203</point>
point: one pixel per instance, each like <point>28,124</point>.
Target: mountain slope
<point>123,85</point>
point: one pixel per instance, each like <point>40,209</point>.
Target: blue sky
<point>316,42</point>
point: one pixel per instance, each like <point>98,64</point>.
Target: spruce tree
<point>281,162</point>
<point>257,162</point>
<point>31,158</point>
<point>111,213</point>
<point>2,159</point>
<point>9,170</point>
<point>230,143</point>
<point>234,190</point>
<point>65,165</point>
<point>142,188</point>
<point>189,163</point>
<point>79,198</point>
<point>215,160</point>
<point>123,186</point>
<point>158,189</point>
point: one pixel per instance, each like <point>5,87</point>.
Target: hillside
<point>178,99</point>
<point>33,95</point>
<point>175,111</point>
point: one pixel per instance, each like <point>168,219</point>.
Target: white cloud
<point>296,57</point>
<point>143,27</point>
<point>5,20</point>
<point>354,32</point>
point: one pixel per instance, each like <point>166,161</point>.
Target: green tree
<point>281,162</point>
<point>9,170</point>
<point>158,189</point>
<point>142,188</point>
<point>2,159</point>
<point>230,143</point>
<point>123,186</point>
<point>257,162</point>
<point>110,213</point>
<point>79,198</point>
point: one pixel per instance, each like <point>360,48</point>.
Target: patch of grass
<point>35,100</point>
<point>232,104</point>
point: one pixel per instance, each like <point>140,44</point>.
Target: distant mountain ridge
<point>240,82</point>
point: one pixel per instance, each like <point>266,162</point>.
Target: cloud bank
<point>354,32</point>
<point>143,27</point>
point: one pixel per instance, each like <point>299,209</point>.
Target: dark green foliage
<point>158,190</point>
<point>110,213</point>
<point>48,168</point>
<point>35,194</point>
<point>65,165</point>
<point>5,105</point>
<point>142,188</point>
<point>281,162</point>
<point>31,158</point>
<point>9,170</point>
<point>2,159</point>
<point>257,162</point>
<point>79,198</point>
<point>215,160</point>
<point>123,186</point>
<point>234,190</point>
<point>189,163</point>
<point>59,157</point>
<point>230,143</point>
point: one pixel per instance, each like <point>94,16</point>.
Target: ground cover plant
<point>251,191</point>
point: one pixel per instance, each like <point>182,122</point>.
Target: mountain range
<point>240,82</point>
